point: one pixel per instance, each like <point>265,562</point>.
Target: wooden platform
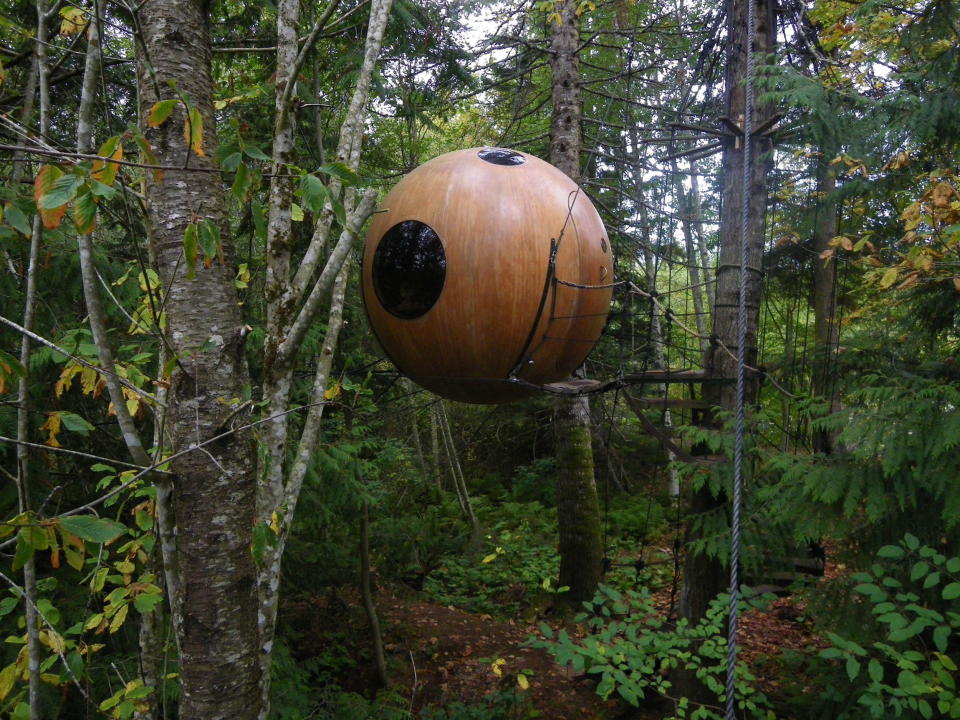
<point>585,386</point>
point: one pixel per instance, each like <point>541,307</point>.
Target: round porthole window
<point>409,269</point>
<point>501,156</point>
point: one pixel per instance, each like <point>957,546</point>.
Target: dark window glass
<point>409,268</point>
<point>499,156</point>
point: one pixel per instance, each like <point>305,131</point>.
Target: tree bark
<point>705,577</point>
<point>214,490</point>
<point>578,509</point>
<point>826,329</point>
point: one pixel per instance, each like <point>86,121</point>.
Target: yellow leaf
<point>296,212</point>
<point>956,284</point>
<point>889,277</point>
<point>88,380</point>
<point>193,131</point>
<point>331,392</point>
<point>52,426</point>
<point>523,682</point>
<point>275,522</point>
<point>66,378</point>
<point>496,665</point>
<point>119,618</point>
<point>7,678</point>
<point>74,21</point>
<point>489,558</point>
<point>106,172</point>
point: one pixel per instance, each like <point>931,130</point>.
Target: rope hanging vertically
<point>739,427</point>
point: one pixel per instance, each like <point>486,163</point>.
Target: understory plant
<point>633,650</point>
<point>905,663</point>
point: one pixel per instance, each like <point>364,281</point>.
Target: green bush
<point>905,664</point>
<point>633,650</point>
<point>517,563</point>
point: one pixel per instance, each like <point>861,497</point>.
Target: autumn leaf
<point>10,368</point>
<point>74,21</point>
<point>889,277</point>
<point>160,111</point>
<point>193,131</point>
<point>106,172</point>
<point>43,188</point>
<point>191,243</point>
<point>52,426</point>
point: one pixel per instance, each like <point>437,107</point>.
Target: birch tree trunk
<point>31,616</point>
<point>294,302</point>
<point>214,491</point>
<point>578,509</point>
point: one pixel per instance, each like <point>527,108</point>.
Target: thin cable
<point>741,374</point>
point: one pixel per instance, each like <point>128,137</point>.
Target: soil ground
<point>440,654</point>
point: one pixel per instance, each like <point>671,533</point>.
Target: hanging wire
<point>739,428</point>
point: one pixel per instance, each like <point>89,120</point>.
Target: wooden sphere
<point>456,277</point>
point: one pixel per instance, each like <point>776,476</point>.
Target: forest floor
<point>438,655</point>
<point>453,652</point>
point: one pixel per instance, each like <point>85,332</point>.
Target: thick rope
<point>741,374</point>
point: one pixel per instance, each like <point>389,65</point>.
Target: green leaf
<point>853,667</point>
<point>24,549</point>
<point>931,580</point>
<point>256,153</point>
<point>910,683</point>
<point>875,670</point>
<point>17,220</point>
<point>92,528</point>
<point>951,591</point>
<point>209,241</point>
<point>75,423</point>
<point>145,602</point>
<point>340,170</point>
<point>314,193</point>
<point>241,183</point>
<point>893,552</point>
<point>953,565</point>
<point>911,541</point>
<point>919,570</point>
<point>191,244</point>
<point>63,191</point>
<point>232,162</point>
<point>100,190</point>
<point>941,637</point>
<point>160,111</point>
<point>296,212</point>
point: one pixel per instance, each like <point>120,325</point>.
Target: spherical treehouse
<point>480,273</point>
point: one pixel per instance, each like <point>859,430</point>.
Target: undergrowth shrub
<point>518,560</point>
<point>633,649</point>
<point>500,705</point>
<point>904,661</point>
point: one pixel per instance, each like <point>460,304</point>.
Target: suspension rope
<point>739,428</point>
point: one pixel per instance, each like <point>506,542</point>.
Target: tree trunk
<point>826,329</point>
<point>578,509</point>
<point>215,485</point>
<point>704,576</point>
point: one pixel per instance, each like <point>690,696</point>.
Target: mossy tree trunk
<point>578,510</point>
